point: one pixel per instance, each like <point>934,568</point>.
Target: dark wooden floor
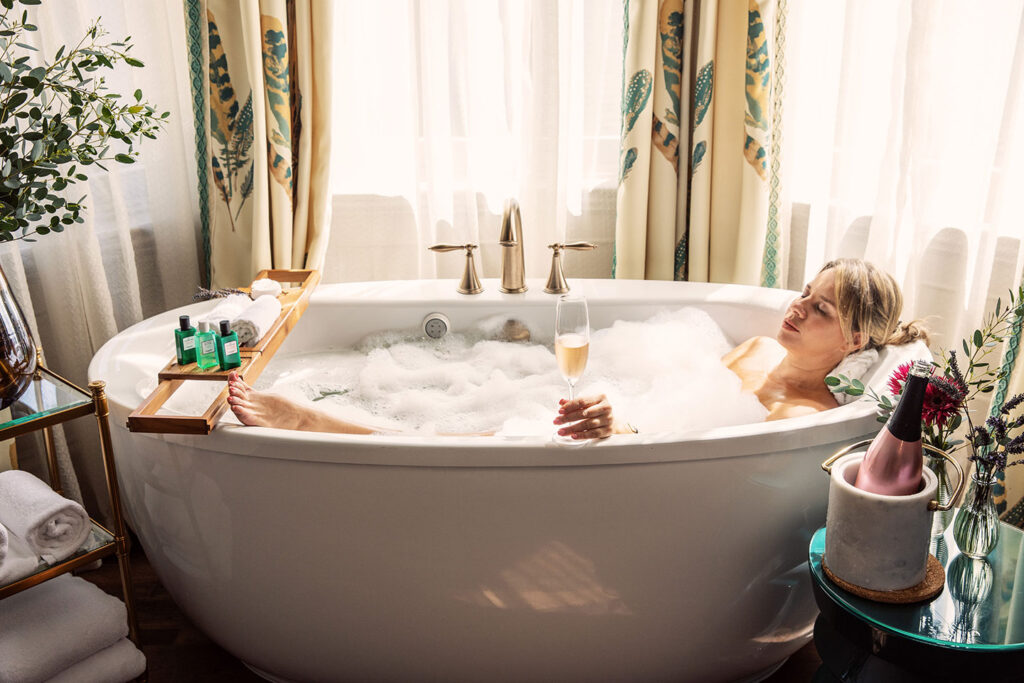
<point>177,651</point>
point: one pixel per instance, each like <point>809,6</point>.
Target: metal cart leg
<point>99,398</point>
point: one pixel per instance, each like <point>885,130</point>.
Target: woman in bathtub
<point>849,306</point>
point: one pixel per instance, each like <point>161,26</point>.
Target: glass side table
<point>973,629</point>
<point>50,400</point>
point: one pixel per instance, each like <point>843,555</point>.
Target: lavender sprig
<point>205,294</point>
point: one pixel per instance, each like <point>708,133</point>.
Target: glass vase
<point>941,518</point>
<point>976,528</point>
<point>17,349</point>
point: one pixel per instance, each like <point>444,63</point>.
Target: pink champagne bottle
<point>892,465</point>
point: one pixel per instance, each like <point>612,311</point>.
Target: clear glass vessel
<point>976,528</point>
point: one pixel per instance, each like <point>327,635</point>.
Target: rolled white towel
<point>16,559</point>
<point>226,309</point>
<point>255,319</point>
<point>53,526</point>
<point>118,663</point>
<point>49,627</point>
<point>264,287</point>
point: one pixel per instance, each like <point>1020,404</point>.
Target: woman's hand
<point>588,417</point>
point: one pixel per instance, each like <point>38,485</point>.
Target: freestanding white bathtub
<point>317,557</point>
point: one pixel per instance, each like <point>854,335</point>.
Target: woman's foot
<point>261,409</point>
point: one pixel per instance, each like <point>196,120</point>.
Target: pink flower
<point>898,378</point>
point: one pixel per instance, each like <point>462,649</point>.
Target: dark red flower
<point>943,397</point>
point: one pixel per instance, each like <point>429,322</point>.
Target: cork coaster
<point>934,580</point>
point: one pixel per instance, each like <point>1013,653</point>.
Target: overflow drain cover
<point>436,325</point>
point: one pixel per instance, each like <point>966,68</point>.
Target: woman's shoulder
<point>750,347</point>
<point>751,350</point>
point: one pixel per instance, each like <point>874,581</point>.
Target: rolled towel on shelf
<point>255,319</point>
<point>49,627</point>
<point>264,287</point>
<point>226,309</point>
<point>53,526</point>
<point>16,559</point>
<point>118,663</point>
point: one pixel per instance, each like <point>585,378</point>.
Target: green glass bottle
<point>206,347</point>
<point>185,341</point>
<point>227,347</point>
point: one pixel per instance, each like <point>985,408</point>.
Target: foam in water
<point>663,374</point>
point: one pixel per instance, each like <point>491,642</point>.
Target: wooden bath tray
<point>254,358</point>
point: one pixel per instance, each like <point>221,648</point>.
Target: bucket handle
<point>932,504</point>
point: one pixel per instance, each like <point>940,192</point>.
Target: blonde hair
<point>869,301</point>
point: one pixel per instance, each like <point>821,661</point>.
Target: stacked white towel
<point>16,559</point>
<point>122,661</point>
<point>227,308</point>
<point>54,626</point>
<point>255,319</point>
<point>53,526</point>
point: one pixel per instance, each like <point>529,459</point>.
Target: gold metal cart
<point>48,401</point>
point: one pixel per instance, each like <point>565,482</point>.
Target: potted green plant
<point>58,122</point>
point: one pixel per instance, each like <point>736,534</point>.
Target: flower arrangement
<point>952,388</point>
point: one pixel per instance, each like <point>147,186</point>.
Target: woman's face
<point>811,325</point>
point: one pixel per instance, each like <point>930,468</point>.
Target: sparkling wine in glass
<point>572,338</point>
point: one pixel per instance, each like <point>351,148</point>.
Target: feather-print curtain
<point>651,203</point>
<point>699,134</point>
<point>263,98</point>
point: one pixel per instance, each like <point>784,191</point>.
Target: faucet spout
<point>513,270</point>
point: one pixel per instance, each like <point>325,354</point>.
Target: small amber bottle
<point>206,347</point>
<point>185,341</point>
<point>227,347</point>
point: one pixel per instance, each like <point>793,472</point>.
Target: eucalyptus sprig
<point>57,118</point>
<point>997,326</point>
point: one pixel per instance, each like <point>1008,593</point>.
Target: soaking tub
<point>322,557</point>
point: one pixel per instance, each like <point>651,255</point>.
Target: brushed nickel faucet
<point>556,280</point>
<point>470,283</point>
<point>513,272</point>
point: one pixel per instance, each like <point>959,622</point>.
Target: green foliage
<point>57,119</point>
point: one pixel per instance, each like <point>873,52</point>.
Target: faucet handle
<point>556,280</point>
<point>451,247</point>
<point>579,246</point>
<point>470,283</point>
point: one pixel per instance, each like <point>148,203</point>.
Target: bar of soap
<point>264,287</point>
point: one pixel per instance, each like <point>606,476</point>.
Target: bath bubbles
<point>663,374</point>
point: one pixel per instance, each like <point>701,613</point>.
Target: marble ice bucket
<point>876,541</point>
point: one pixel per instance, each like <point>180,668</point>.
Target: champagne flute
<point>572,338</point>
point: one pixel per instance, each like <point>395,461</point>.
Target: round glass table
<point>973,629</point>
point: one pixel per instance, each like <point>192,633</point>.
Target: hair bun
<point>905,333</point>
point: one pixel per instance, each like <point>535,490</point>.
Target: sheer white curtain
<point>904,145</point>
<point>442,109</point>
<point>135,254</point>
